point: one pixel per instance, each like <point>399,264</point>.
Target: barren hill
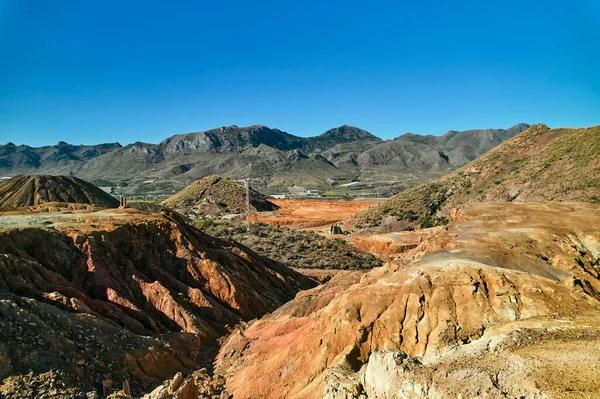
<point>538,164</point>
<point>505,303</point>
<point>118,294</point>
<point>218,192</point>
<point>23,191</point>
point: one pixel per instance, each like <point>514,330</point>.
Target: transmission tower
<point>248,206</point>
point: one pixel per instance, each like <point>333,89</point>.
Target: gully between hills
<point>505,302</point>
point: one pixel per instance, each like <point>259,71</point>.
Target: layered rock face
<point>502,304</point>
<point>120,294</point>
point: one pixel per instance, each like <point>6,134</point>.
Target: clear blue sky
<point>87,71</point>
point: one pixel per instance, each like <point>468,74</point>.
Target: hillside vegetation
<point>298,249</point>
<point>540,164</point>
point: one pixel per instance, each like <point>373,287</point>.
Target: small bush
<point>204,223</point>
<point>426,221</point>
<point>442,221</point>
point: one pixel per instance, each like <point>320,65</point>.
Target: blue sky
<point>103,71</point>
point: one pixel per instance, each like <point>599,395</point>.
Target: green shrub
<point>426,221</point>
<point>204,223</point>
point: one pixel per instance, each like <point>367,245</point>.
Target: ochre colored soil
<point>312,213</point>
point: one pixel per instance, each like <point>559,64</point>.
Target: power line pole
<point>248,205</point>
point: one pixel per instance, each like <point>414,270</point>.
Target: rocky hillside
<point>540,164</point>
<point>22,191</point>
<point>119,294</point>
<point>214,194</point>
<point>505,303</point>
<point>280,158</point>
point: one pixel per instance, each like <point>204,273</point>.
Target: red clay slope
<point>134,273</point>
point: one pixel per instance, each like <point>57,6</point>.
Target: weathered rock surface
<point>502,304</point>
<point>177,388</point>
<point>22,191</point>
<point>120,294</point>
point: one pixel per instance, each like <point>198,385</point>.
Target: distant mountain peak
<point>349,132</point>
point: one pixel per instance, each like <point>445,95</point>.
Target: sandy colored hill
<point>505,303</point>
<point>22,191</point>
<point>540,164</point>
<point>214,193</point>
<point>116,294</point>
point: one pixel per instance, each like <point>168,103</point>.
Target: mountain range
<point>274,158</point>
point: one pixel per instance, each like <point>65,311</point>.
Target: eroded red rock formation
<point>93,284</point>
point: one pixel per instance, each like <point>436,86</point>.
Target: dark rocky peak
<point>348,133</point>
<point>338,135</point>
<point>109,145</point>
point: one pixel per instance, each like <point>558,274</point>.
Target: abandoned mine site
<point>299,200</point>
